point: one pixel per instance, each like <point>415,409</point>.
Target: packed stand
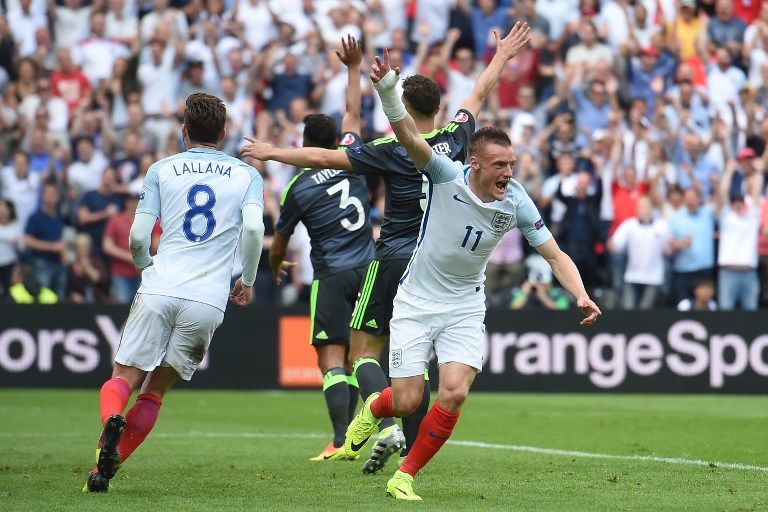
<point>640,129</point>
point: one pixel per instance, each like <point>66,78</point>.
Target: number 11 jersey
<point>198,195</point>
<point>459,232</point>
<point>334,207</point>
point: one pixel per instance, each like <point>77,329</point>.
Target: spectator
<point>645,240</point>
<point>69,83</point>
<point>589,51</point>
<point>703,297</point>
<point>696,170</point>
<point>486,17</point>
<point>724,81</point>
<point>685,33</point>
<point>289,84</point>
<point>54,106</point>
<point>726,31</point>
<point>71,23</point>
<point>27,289</point>
<point>739,220</point>
<point>580,227</point>
<point>19,185</point>
<point>44,237</point>
<point>97,207</point>
<point>97,53</point>
<point>125,277</point>
<point>537,290</point>
<point>693,230</point>
<point>10,238</point>
<point>85,173</point>
<point>170,18</point>
<point>87,278</point>
<point>593,108</point>
<point>24,23</point>
<point>121,23</point>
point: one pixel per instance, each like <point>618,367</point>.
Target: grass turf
<point>225,450</point>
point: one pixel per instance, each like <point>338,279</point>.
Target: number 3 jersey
<point>459,232</point>
<point>334,207</point>
<point>198,196</point>
<point>404,187</point>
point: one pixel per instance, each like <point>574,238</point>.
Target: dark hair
<point>11,208</point>
<point>205,117</point>
<point>319,131</point>
<point>422,95</point>
<point>488,135</point>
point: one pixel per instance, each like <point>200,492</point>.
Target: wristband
<point>391,102</point>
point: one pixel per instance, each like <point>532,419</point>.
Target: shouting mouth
<point>502,185</point>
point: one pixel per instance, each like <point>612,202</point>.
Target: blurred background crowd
<point>640,128</point>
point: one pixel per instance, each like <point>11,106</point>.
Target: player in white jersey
<point>205,200</point>
<point>440,304</point>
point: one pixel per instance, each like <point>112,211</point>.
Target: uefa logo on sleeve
<point>397,358</point>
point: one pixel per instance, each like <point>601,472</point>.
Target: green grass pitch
<point>226,450</point>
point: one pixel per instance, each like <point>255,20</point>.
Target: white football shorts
<point>167,331</point>
<point>456,332</point>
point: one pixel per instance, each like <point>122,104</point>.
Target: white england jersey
<point>459,232</point>
<point>198,196</point>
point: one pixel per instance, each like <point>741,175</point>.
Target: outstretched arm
<point>351,56</point>
<point>384,81</point>
<point>567,273</point>
<point>316,158</point>
<point>506,49</point>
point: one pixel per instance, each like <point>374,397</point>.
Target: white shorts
<point>167,331</point>
<point>455,331</point>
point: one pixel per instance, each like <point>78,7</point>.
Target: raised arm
<point>506,49</point>
<point>316,158</point>
<point>351,56</point>
<point>385,81</point>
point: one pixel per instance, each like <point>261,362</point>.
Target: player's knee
<point>452,397</point>
<point>404,404</point>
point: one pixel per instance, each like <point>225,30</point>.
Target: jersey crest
<point>347,140</point>
<point>461,117</point>
<point>502,222</point>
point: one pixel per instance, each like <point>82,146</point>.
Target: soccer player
<point>204,199</point>
<point>440,303</point>
<point>405,199</point>
<point>334,207</point>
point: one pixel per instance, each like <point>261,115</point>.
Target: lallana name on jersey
<point>196,167</point>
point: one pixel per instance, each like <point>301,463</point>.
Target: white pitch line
<point>680,461</point>
<point>595,455</point>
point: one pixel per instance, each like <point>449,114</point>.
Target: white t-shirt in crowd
<point>23,192</point>
<point>160,83</point>
<point>10,235</point>
<point>459,87</point>
<point>97,55</point>
<point>645,244</point>
<point>436,14</point>
<point>259,27</point>
<point>86,176</point>
<point>738,237</point>
<point>72,26</point>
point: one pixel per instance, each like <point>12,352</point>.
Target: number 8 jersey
<point>198,195</point>
<point>459,232</point>
<point>334,207</point>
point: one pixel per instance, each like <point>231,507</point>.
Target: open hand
<point>515,41</point>
<point>589,309</point>
<point>351,54</point>
<point>256,149</point>
<point>380,68</point>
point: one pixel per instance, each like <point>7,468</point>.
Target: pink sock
<point>113,397</point>
<point>138,423</point>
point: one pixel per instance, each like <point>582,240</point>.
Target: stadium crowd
<point>640,128</point>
